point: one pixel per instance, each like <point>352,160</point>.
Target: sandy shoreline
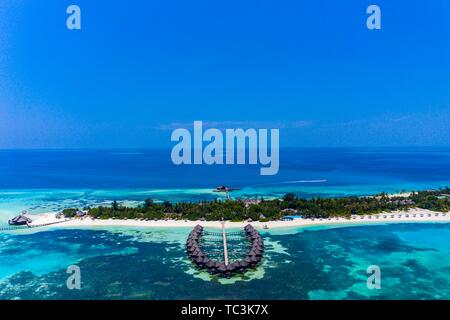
<point>413,215</point>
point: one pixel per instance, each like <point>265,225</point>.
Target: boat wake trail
<point>288,182</point>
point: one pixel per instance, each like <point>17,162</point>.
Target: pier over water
<point>225,254</point>
<point>225,247</point>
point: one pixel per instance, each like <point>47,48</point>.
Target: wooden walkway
<point>13,228</point>
<point>225,247</point>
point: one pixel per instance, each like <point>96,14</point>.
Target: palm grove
<point>266,210</point>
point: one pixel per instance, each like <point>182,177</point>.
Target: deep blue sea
<point>302,263</point>
<point>46,180</point>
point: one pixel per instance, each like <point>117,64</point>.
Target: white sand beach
<point>413,215</point>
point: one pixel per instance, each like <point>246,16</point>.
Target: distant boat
<point>20,220</point>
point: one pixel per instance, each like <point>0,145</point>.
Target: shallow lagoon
<point>307,263</point>
<point>132,263</point>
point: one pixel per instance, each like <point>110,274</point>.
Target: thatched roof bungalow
<point>20,220</point>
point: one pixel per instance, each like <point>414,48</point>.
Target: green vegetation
<point>266,210</point>
<point>70,213</point>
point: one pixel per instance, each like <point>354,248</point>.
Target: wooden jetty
<point>225,247</point>
<point>213,252</point>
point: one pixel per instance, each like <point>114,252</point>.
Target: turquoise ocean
<point>301,263</point>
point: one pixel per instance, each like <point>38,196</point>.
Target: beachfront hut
<point>80,214</point>
<point>19,220</point>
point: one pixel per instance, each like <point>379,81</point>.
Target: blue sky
<point>139,68</point>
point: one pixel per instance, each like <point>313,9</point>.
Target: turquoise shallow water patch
<point>141,263</point>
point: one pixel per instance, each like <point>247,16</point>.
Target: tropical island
<point>271,210</point>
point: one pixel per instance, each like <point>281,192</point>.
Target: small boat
<point>265,226</point>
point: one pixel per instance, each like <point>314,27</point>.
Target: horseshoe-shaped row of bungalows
<point>201,260</point>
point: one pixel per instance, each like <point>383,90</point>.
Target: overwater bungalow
<point>204,260</point>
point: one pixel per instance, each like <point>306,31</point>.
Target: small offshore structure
<point>20,220</point>
<point>23,222</point>
<point>226,190</point>
<point>208,252</point>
